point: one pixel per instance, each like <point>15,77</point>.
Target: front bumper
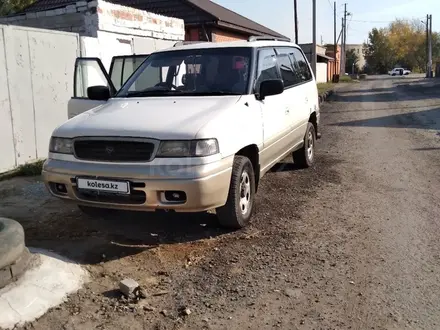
<point>206,186</point>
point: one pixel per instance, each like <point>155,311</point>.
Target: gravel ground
<point>351,243</point>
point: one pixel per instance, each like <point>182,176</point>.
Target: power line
<point>330,4</point>
<point>362,21</point>
<point>351,18</point>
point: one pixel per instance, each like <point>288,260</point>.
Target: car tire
<point>305,157</point>
<point>94,211</point>
<point>11,242</point>
<point>237,211</point>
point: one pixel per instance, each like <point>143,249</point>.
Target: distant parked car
<point>399,72</point>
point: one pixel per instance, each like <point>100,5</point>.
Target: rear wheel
<point>305,157</point>
<point>237,211</point>
<point>94,211</point>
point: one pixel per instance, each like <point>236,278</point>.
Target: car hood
<point>154,117</point>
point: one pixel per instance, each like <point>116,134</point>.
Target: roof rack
<point>182,43</point>
<point>262,38</point>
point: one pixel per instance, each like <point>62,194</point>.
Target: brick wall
<point>224,36</point>
<point>127,20</point>
<point>87,18</point>
<point>78,17</point>
<point>192,34</point>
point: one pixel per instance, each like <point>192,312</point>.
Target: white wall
<point>7,151</point>
<point>321,72</point>
<point>109,44</point>
<point>36,67</point>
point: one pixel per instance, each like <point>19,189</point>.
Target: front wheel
<point>305,157</point>
<point>237,211</point>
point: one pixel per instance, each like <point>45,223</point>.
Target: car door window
<point>286,63</point>
<point>266,67</point>
<point>301,65</point>
<point>90,72</point>
<point>122,68</point>
<point>287,74</point>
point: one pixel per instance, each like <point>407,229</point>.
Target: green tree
<point>378,51</point>
<point>352,59</point>
<point>8,7</point>
<point>407,39</point>
<point>402,43</point>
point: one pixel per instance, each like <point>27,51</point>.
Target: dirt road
<point>352,243</point>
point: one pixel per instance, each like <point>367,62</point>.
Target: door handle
<point>307,100</point>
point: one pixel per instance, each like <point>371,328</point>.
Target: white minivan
<point>187,129</point>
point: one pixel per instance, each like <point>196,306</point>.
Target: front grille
<point>114,150</point>
<point>135,197</point>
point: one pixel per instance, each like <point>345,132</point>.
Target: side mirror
<point>98,93</point>
<point>270,87</point>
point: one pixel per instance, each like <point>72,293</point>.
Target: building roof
<point>224,15</point>
<point>326,57</point>
<point>191,11</point>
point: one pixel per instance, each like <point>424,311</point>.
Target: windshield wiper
<point>152,92</point>
<point>217,93</point>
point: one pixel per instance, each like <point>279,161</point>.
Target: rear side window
<point>267,66</point>
<point>301,65</point>
<point>286,68</point>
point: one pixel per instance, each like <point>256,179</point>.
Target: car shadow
<point>426,149</point>
<point>92,240</point>
<point>387,77</point>
<point>371,90</point>
<point>284,166</point>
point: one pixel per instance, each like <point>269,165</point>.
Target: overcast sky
<point>278,15</point>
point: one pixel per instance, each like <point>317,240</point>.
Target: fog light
<point>61,188</point>
<point>58,188</point>
<point>175,196</point>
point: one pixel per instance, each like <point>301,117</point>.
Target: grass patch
<point>28,169</point>
<point>31,169</point>
<point>324,87</point>
<point>345,79</point>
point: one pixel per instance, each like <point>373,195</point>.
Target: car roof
<point>230,44</point>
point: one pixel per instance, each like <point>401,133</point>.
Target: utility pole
<point>295,15</point>
<point>427,44</point>
<point>430,47</point>
<point>335,44</point>
<point>342,69</point>
<point>314,39</point>
<point>345,34</point>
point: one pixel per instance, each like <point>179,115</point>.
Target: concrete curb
<point>46,284</point>
<point>12,272</point>
<point>14,256</point>
<point>324,96</point>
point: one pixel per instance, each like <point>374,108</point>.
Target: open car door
<point>89,71</point>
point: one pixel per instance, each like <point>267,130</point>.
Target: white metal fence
<point>36,70</point>
<point>36,83</point>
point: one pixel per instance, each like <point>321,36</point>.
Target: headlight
<point>194,148</point>
<point>60,145</point>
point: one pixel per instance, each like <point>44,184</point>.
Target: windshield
<point>209,71</point>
